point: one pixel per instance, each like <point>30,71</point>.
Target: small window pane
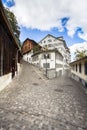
<point>46,56</point>
<point>76,67</point>
<point>46,65</point>
<point>85,67</point>
<point>80,68</point>
<point>49,40</point>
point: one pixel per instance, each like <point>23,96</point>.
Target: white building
<point>28,56</point>
<point>28,47</point>
<point>51,42</point>
<point>53,56</point>
<point>51,61</point>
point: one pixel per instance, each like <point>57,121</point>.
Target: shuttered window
<point>85,67</point>
<point>80,68</point>
<point>76,67</point>
<point>46,65</point>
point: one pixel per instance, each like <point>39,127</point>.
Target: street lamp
<point>46,63</point>
<point>46,55</point>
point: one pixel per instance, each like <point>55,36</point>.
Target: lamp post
<point>46,63</point>
<point>45,50</point>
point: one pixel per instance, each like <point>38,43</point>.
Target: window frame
<point>46,65</point>
<point>76,67</point>
<point>46,57</point>
<point>80,67</point>
<point>85,68</point>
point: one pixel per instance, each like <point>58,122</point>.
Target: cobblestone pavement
<point>32,102</point>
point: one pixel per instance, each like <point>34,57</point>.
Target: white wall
<point>27,57</point>
<point>82,74</point>
<point>5,80</point>
<point>54,43</point>
<point>51,61</point>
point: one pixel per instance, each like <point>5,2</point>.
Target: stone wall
<point>51,73</point>
<point>80,80</point>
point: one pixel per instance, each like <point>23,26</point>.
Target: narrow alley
<point>33,102</point>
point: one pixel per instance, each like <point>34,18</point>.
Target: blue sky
<point>37,35</point>
<point>66,18</point>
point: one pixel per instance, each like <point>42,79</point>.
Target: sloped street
<point>33,102</point>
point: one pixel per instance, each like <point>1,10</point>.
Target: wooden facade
<point>9,49</point>
<point>28,45</point>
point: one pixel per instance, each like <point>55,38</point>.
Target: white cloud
<point>46,14</point>
<point>83,35</point>
<point>79,46</point>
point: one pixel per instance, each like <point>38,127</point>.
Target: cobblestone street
<point>33,102</point>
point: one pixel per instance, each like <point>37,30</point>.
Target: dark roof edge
<point>41,51</point>
<point>29,40</point>
<point>79,60</point>
<point>53,37</point>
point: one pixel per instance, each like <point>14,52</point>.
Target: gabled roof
<point>47,36</point>
<point>30,41</point>
<point>79,60</point>
<point>61,37</point>
<point>27,39</point>
<point>57,38</point>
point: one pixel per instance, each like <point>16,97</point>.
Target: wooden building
<point>79,70</point>
<point>28,48</point>
<point>9,49</point>
<point>28,45</point>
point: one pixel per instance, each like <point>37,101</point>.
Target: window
<point>50,45</point>
<point>46,65</point>
<point>85,68</point>
<point>86,85</point>
<point>76,67</point>
<point>49,40</point>
<point>46,56</point>
<point>73,67</point>
<point>80,68</point>
<point>44,41</point>
<point>46,46</point>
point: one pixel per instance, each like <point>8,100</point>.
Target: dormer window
<point>46,56</point>
<point>44,41</point>
<point>49,40</point>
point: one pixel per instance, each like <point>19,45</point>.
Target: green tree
<point>80,54</point>
<point>36,48</point>
<point>14,24</point>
